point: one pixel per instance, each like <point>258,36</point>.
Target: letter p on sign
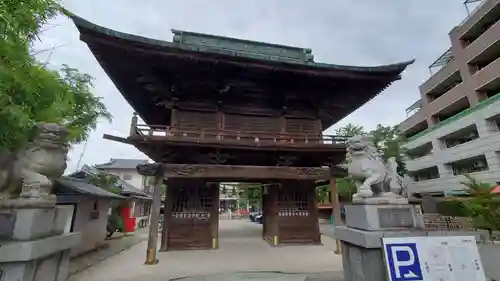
<point>404,264</point>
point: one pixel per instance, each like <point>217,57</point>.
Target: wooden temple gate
<point>241,114</point>
<point>191,213</point>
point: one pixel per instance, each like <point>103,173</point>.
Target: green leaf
<point>30,91</point>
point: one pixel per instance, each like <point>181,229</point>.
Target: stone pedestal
<point>366,225</point>
<point>33,245</point>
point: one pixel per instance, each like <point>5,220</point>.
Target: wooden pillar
<point>337,218</point>
<point>214,216</point>
<point>133,125</point>
<point>273,194</point>
<point>263,207</point>
<point>173,118</point>
<point>313,211</point>
<point>155,213</point>
<point>167,217</point>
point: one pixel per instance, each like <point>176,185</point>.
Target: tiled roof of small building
<point>121,164</point>
<point>65,185</point>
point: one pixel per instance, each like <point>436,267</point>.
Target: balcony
<point>459,137</point>
<point>472,26</point>
<point>452,110</point>
<point>454,94</point>
<point>159,132</point>
<point>437,79</point>
<point>487,77</point>
<point>425,174</point>
<point>416,121</point>
<point>420,151</point>
<point>469,166</point>
<point>485,41</point>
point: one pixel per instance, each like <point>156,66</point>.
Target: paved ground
<point>110,248</point>
<point>241,250</point>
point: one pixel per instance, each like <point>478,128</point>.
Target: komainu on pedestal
<point>377,182</point>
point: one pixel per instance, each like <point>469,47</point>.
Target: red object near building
<point>129,224</point>
<point>128,220</point>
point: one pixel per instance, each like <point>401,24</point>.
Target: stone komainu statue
<point>30,172</point>
<point>374,177</point>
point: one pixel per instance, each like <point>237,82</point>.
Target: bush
<point>453,208</point>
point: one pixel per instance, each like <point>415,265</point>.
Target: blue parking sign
<point>403,262</point>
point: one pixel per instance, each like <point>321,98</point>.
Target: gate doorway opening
<point>193,210</point>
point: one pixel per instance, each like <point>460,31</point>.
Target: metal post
<point>155,214</point>
<point>335,210</point>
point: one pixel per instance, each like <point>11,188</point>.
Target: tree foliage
<point>349,130</point>
<point>109,183</point>
<point>387,141</point>
<point>106,181</point>
<point>483,206</point>
<point>31,92</point>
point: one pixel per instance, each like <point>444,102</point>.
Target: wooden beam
<point>236,172</point>
<point>117,139</point>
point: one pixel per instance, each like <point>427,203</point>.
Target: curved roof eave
<point>83,24</point>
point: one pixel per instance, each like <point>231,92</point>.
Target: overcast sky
<point>360,32</point>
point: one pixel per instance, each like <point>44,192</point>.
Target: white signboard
<point>441,258</point>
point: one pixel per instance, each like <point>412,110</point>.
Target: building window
<point>493,124</point>
<point>126,177</point>
<point>420,151</point>
<point>461,136</point>
<point>425,174</point>
<point>468,166</point>
<point>94,213</point>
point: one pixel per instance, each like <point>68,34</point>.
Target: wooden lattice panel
<point>293,202</point>
<point>192,203</point>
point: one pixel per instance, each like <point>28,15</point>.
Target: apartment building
<point>454,128</point>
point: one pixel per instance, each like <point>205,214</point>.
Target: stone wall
<point>33,245</point>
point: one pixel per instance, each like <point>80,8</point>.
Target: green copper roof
<point>246,48</point>
<point>206,43</point>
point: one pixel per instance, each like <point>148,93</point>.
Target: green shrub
<point>454,208</point>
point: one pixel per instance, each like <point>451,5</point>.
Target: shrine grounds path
<point>241,249</point>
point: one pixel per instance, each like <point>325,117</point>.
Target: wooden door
<point>298,218</point>
<point>192,217</point>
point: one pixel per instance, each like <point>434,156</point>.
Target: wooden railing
<point>167,132</point>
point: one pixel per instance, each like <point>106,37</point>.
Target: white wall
<point>93,231</point>
<point>136,180</point>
